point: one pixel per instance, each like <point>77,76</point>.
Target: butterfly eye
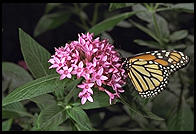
<point>123,60</point>
<point>125,63</point>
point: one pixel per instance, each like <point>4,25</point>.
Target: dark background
<point>26,16</point>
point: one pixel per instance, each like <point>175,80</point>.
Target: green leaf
<point>116,121</point>
<point>6,125</point>
<point>178,35</point>
<point>100,100</point>
<point>44,101</point>
<point>144,15</point>
<point>176,46</point>
<point>14,110</point>
<point>80,117</point>
<point>146,30</point>
<point>51,6</point>
<point>35,56</point>
<point>142,121</point>
<point>72,89</point>
<point>181,119</point>
<point>51,21</point>
<point>124,24</point>
<point>186,7</point>
<point>114,6</point>
<point>109,23</point>
<point>5,84</point>
<point>151,44</point>
<point>59,128</point>
<point>137,105</point>
<point>15,75</point>
<point>32,89</point>
<point>60,92</point>
<point>51,116</point>
<point>160,26</point>
<point>163,108</point>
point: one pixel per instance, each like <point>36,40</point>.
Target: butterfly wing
<point>150,71</point>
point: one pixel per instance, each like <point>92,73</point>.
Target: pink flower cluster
<point>93,59</point>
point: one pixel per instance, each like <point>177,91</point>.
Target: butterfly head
<point>125,63</point>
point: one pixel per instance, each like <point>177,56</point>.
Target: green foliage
<point>137,105</point>
<point>51,6</point>
<point>58,106</point>
<point>178,35</point>
<point>80,118</point>
<point>51,116</point>
<point>14,76</point>
<point>109,23</point>
<point>114,6</point>
<point>51,21</point>
<point>100,100</point>
<point>14,110</point>
<point>181,118</point>
<point>44,100</point>
<point>6,125</point>
<point>32,89</point>
<point>35,56</point>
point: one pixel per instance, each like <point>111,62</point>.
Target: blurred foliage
<point>46,109</point>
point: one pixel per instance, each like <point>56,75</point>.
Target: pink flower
<point>75,57</point>
<point>114,82</point>
<point>93,59</point>
<point>57,63</point>
<point>66,72</point>
<point>87,87</point>
<point>110,95</point>
<point>85,96</point>
<point>86,93</point>
<point>98,77</point>
<point>78,69</point>
<point>23,64</point>
<point>86,72</point>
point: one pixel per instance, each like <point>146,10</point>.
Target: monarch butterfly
<point>150,71</point>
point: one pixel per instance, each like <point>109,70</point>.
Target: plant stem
<point>95,14</point>
<point>181,91</point>
<point>157,30</point>
<point>68,97</point>
<point>80,25</point>
<point>155,24</point>
<point>84,25</point>
<point>156,6</point>
<point>147,6</point>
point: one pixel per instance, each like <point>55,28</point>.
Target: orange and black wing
<point>150,71</point>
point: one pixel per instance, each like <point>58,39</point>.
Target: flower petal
<point>62,77</point>
<point>69,76</point>
<point>100,71</point>
<point>83,100</point>
<point>90,90</point>
<point>103,77</point>
<point>98,82</point>
<point>90,98</point>
<point>81,86</point>
<point>70,69</point>
<point>80,64</point>
<point>90,84</point>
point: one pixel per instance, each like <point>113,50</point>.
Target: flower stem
<point>85,26</point>
<point>95,14</point>
<point>157,29</point>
